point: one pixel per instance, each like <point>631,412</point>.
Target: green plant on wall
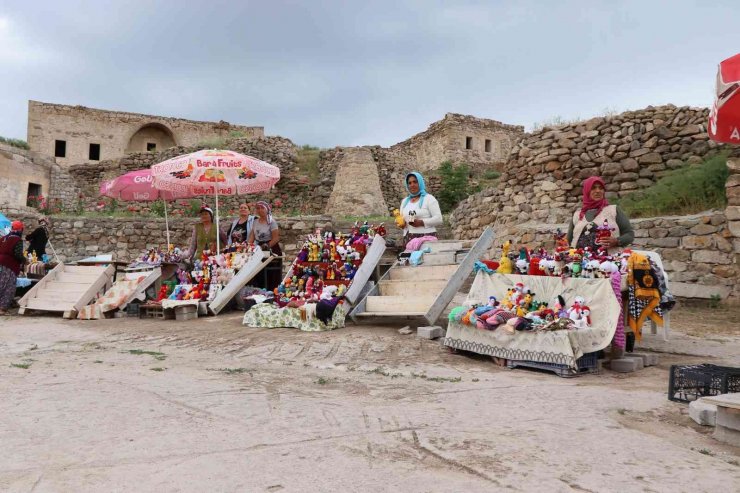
<point>157,207</point>
<point>456,185</point>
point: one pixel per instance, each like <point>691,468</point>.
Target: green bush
<point>687,190</point>
<point>22,144</point>
<point>491,175</point>
<point>456,185</point>
<point>157,208</point>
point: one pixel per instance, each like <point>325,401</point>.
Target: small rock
<point>405,330</point>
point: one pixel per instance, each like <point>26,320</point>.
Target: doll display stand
<point>559,351</point>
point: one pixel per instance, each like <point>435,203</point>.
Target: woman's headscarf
<point>422,188</point>
<point>588,202</point>
<point>267,207</point>
<point>208,210</point>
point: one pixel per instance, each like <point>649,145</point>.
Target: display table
<point>562,347</point>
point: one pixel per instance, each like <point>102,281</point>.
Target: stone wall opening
<point>468,143</point>
<point>488,145</point>
<point>34,190</point>
<point>94,153</point>
<point>151,134</point>
<point>60,148</point>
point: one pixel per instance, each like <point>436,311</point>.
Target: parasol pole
<point>166,224</point>
<point>218,231</point>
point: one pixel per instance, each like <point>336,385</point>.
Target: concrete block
<point>638,361</point>
<point>623,365</point>
<point>703,413</point>
<point>430,332</point>
<point>728,425</point>
<point>648,359</point>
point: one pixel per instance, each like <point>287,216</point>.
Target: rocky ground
<point>208,405</point>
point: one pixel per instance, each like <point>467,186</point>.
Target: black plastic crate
<point>588,363</point>
<point>687,383</point>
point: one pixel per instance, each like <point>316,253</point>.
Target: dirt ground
<point>208,405</point>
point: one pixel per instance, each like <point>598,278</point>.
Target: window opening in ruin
<point>151,146</point>
<point>34,191</point>
<point>468,142</point>
<point>94,154</point>
<point>488,145</point>
<point>60,148</point>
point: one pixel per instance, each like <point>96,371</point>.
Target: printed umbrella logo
<point>183,174</point>
<point>212,175</point>
<point>245,174</point>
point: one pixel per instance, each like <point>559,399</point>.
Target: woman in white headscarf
<point>266,233</point>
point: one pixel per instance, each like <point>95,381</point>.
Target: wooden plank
<point>38,304</point>
<point>461,274</point>
<point>426,287</point>
<point>52,274</point>
<point>253,266</point>
<point>85,269</point>
<point>95,287</point>
<point>399,304</point>
<point>371,260</point>
<point>422,272</point>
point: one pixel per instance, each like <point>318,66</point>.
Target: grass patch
<point>98,361</point>
<point>370,219</point>
<point>706,451</point>
<point>157,355</point>
<point>322,381</point>
<point>444,379</point>
<point>34,347</point>
<point>213,143</point>
<point>19,143</point>
<point>307,160</point>
<point>24,366</point>
<point>158,368</point>
<point>687,190</point>
<point>232,371</point>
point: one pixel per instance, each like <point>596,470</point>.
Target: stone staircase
<point>424,290</point>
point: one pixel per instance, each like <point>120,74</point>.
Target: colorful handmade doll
<point>522,263</point>
<point>580,313</point>
<point>505,265</point>
<point>559,307</point>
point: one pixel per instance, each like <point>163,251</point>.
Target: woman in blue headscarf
<point>420,210</point>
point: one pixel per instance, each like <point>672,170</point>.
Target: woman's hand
<point>417,223</point>
<point>610,242</point>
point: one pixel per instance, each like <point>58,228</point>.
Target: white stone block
<point>639,365</point>
<point>623,365</point>
<point>430,332</point>
<point>703,413</point>
<point>648,359</point>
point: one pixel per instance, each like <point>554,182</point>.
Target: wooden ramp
<point>253,266</point>
<point>67,288</point>
<point>426,290</point>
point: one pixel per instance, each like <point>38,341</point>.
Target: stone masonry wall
<point>79,184</point>
<point>446,140</point>
<point>115,131</point>
<point>75,238</point>
<point>19,168</point>
<point>357,189</point>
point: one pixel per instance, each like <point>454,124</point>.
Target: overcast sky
<point>360,72</point>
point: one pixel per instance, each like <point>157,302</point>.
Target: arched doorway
<point>151,137</point>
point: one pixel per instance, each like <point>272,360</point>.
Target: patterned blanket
<point>644,295</point>
<point>270,316</point>
<point>116,297</point>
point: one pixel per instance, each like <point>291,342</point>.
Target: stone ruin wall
<point>446,140</point>
<point>540,189</point>
<point>79,185</point>
<point>19,168</point>
<point>117,132</point>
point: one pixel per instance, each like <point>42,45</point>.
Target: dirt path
<point>210,406</point>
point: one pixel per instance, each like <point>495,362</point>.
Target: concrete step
<point>84,269</point>
<point>54,296</point>
<point>422,272</point>
<point>399,304</point>
<point>428,287</point>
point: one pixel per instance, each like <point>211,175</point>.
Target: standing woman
<point>595,211</point>
<point>38,238</point>
<point>241,227</point>
<point>11,260</point>
<point>266,233</point>
<point>420,210</point>
<point>204,235</point>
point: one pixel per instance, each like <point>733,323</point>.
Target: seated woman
<point>420,210</point>
<point>204,235</point>
<point>596,212</point>
<point>241,227</point>
<point>266,233</point>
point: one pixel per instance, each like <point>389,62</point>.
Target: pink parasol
<point>138,186</point>
<point>724,119</point>
<point>214,172</point>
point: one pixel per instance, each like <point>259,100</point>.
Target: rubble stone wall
<point>116,132</point>
<point>18,169</point>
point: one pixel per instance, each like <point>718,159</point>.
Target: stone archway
<point>151,137</point>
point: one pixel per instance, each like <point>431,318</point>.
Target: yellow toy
<point>505,265</point>
<point>399,218</point>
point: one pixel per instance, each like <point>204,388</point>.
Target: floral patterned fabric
<point>270,316</point>
<point>115,297</point>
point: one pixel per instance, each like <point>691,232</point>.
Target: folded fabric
<point>415,243</point>
<point>115,297</point>
<point>416,257</point>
